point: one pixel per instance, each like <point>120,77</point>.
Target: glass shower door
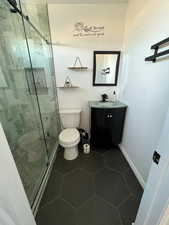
<point>19,112</point>
<point>43,71</point>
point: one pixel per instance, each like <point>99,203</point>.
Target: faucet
<point>104,97</point>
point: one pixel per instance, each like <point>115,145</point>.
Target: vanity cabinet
<point>107,124</point>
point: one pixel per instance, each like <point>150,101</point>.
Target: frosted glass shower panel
<point>44,77</point>
<point>19,113</point>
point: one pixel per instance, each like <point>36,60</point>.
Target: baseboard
<point>133,167</point>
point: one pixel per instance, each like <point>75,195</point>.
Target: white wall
<point>14,206</point>
<point>145,85</point>
<point>62,19</point>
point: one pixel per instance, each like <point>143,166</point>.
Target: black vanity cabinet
<point>107,125</point>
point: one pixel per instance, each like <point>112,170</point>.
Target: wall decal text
<point>82,30</point>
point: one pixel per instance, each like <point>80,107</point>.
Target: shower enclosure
<point>28,97</point>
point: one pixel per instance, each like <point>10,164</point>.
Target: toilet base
<point>71,153</point>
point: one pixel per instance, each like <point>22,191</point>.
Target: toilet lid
<point>69,135</point>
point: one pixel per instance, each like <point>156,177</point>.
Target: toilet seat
<point>69,137</point>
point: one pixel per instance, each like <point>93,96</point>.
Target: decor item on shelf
<point>75,67</point>
<point>157,54</point>
<point>106,68</point>
<point>68,82</point>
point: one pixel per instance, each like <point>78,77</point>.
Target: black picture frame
<point>118,53</point>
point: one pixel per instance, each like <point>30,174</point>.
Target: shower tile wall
<point>19,112</point>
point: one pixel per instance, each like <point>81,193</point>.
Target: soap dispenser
<point>114,96</point>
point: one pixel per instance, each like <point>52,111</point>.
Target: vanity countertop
<point>108,104</point>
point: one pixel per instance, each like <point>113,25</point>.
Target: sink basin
<point>108,104</point>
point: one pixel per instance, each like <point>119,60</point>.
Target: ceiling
<point>86,1</point>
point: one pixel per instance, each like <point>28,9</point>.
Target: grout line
<point>106,162</point>
<point>126,183</point>
<point>99,171</point>
<point>114,170</point>
<point>125,200</point>
<point>61,186</point>
<point>70,172</point>
<point>67,202</point>
<point>48,203</point>
<point>121,220</point>
<point>91,173</point>
<point>57,171</point>
<point>129,188</point>
<point>58,196</point>
<point>85,202</point>
<point>109,203</point>
<point>94,184</point>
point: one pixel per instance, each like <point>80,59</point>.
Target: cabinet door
<point>107,126</point>
<point>97,126</point>
<point>114,123</point>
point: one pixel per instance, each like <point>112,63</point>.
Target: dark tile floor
<point>95,189</point>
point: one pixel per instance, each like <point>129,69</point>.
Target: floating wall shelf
<point>68,87</point>
<point>80,67</point>
<point>77,68</point>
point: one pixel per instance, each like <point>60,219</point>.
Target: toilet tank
<point>70,117</point>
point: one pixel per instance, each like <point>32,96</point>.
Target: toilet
<point>69,138</point>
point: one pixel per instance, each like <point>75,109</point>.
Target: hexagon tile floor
<point>95,189</point>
